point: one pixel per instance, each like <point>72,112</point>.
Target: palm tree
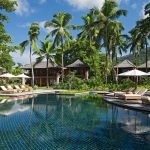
<point>135,46</point>
<point>33,33</point>
<point>46,52</point>
<point>141,34</point>
<point>60,23</point>
<point>90,33</point>
<point>104,18</point>
<point>147,9</point>
<point>117,43</point>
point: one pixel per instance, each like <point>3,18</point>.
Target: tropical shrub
<point>127,83</point>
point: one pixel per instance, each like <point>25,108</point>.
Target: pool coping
<point>84,93</point>
<point>133,105</point>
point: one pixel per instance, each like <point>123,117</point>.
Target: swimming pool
<point>71,123</point>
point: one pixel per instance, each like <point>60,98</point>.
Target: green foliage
<point>17,69</point>
<point>5,38</point>
<point>6,61</point>
<point>93,82</point>
<point>127,83</point>
<point>145,80</point>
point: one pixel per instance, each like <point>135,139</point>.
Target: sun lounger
<point>29,87</point>
<point>145,100</point>
<point>6,91</point>
<point>130,91</point>
<point>136,96</point>
<point>18,88</point>
<point>9,87</point>
<point>25,88</point>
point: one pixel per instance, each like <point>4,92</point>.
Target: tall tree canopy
<point>60,23</point>
<point>33,34</point>
<point>104,20</point>
<point>5,38</point>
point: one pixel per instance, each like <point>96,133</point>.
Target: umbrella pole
<point>23,81</point>
<point>137,80</point>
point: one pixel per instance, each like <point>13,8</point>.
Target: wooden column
<point>86,74</point>
<point>57,78</point>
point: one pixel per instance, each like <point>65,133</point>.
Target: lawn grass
<point>43,88</point>
<point>3,97</point>
<point>72,91</point>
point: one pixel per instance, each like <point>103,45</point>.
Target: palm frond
<point>23,45</point>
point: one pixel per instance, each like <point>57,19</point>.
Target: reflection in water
<point>60,122</point>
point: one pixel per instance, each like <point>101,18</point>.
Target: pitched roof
<point>40,65</point>
<point>125,64</point>
<point>144,65</point>
<point>77,63</point>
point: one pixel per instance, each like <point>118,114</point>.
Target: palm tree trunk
<point>95,73</point>
<point>32,71</point>
<point>117,71</point>
<point>106,49</point>
<point>146,56</point>
<point>62,61</point>
<point>47,73</point>
<point>106,69</point>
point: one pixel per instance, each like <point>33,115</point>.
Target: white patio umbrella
<point>7,75</point>
<point>148,73</point>
<point>133,73</point>
<point>23,76</point>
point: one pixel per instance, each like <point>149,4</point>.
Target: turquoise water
<point>49,122</point>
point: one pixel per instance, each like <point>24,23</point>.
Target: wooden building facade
<point>81,69</point>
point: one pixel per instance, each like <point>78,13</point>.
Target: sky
<point>39,11</point>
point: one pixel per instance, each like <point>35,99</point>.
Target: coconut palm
<point>33,34</point>
<point>46,52</point>
<point>90,33</point>
<point>135,46</point>
<point>117,43</point>
<point>104,19</point>
<point>61,26</point>
<point>141,35</point>
<point>147,9</point>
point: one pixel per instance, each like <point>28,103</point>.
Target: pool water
<point>49,122</point>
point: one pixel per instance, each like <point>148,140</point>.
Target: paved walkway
<point>130,104</point>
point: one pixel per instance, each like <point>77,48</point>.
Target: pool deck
<point>127,104</point>
<point>32,93</point>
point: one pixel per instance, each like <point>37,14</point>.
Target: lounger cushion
<point>129,92</point>
<point>131,95</point>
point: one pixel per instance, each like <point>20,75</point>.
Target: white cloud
<point>48,29</point>
<point>26,25</point>
<point>23,8</point>
<point>87,4</point>
<point>41,25</point>
<point>24,59</point>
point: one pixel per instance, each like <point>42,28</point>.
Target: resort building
<point>143,67</point>
<point>81,69</point>
<point>124,66</point>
